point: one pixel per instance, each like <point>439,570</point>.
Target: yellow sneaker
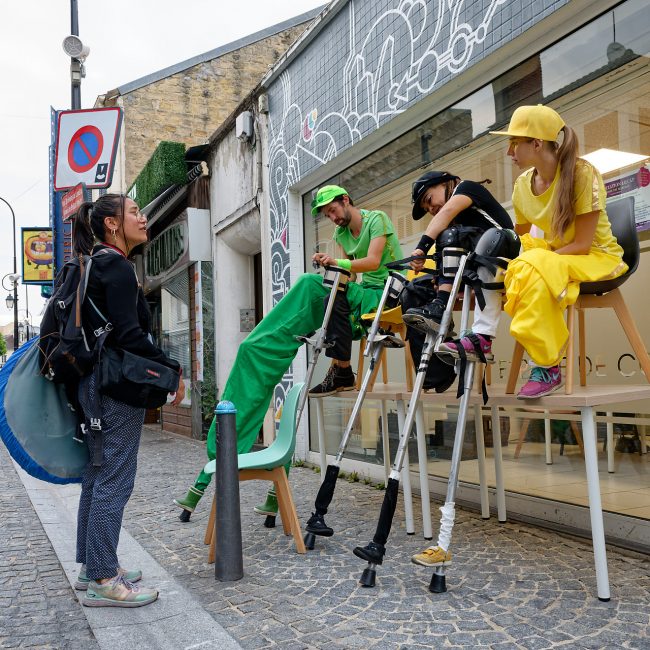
<point>432,556</point>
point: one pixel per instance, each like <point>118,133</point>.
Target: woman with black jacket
<point>110,229</point>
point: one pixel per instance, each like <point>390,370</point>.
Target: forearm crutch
<point>336,278</point>
<point>375,343</point>
<point>374,552</point>
<point>447,511</point>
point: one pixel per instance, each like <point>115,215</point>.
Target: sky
<point>128,39</point>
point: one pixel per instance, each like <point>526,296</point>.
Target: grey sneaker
<point>118,592</point>
<point>82,579</point>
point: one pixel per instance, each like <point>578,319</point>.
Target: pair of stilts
<point>374,552</point>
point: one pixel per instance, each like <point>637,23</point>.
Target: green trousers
<point>267,352</point>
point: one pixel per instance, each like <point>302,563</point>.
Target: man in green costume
<point>368,241</point>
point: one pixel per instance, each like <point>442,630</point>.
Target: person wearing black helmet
<point>461,212</point>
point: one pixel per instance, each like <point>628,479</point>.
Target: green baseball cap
<point>326,195</point>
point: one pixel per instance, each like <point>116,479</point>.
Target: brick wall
<point>189,105</point>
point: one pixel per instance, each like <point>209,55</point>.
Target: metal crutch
<point>375,343</point>
<point>374,552</point>
<point>337,278</point>
<point>438,583</point>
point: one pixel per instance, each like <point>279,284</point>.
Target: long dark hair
<point>89,224</point>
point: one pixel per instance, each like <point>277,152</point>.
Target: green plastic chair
<point>268,465</point>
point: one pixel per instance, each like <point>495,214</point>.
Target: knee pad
<point>450,250</point>
<point>494,250</point>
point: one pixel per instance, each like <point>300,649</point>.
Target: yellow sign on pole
<point>38,255</point>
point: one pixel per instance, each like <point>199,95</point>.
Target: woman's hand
<point>417,265</point>
<point>179,395</point>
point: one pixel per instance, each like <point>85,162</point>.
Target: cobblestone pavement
<point>510,586</point>
<point>38,608</point>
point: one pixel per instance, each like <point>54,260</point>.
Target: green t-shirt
<point>374,223</point>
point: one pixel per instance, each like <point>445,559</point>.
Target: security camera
<point>74,48</point>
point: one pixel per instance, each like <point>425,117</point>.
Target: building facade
<point>375,93</point>
<point>174,109</point>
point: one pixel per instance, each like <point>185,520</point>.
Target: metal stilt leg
<point>374,552</point>
<point>438,580</point>
<point>316,525</point>
<point>337,278</point>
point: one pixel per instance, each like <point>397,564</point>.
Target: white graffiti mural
<point>391,62</point>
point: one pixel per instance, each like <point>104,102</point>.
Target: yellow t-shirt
<point>589,196</point>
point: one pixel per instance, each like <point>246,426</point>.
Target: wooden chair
<point>391,320</point>
<point>548,416</point>
<point>599,295</point>
<point>268,465</point>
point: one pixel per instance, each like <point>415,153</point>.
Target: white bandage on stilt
<point>446,525</point>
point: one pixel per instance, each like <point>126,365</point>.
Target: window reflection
<point>599,80</point>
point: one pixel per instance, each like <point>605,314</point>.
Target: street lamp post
<point>75,64</point>
<point>13,217</point>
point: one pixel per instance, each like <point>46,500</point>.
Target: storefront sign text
<point>165,250</point>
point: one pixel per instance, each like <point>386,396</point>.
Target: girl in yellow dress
<point>564,196</point>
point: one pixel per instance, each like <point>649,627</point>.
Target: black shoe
<point>442,386</point>
<point>336,380</point>
<point>316,525</point>
<point>428,318</point>
<point>372,553</point>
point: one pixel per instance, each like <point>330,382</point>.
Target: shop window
<point>175,317</point>
<point>599,80</point>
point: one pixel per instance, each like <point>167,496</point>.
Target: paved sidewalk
<point>510,586</point>
<point>38,609</point>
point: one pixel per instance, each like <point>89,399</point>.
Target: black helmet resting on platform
<point>422,185</point>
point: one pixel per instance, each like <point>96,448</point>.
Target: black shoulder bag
<point>135,380</point>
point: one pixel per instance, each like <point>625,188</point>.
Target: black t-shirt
<point>481,200</point>
<point>114,290</point>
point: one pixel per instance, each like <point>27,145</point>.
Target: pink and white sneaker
<point>542,381</point>
<point>474,346</point>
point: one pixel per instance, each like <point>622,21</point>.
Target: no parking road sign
<point>86,145</point>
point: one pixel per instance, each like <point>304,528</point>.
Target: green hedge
<point>165,168</point>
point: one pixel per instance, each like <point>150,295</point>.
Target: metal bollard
<point>228,565</point>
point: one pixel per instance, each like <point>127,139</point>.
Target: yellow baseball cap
<point>539,122</point>
<point>326,195</point>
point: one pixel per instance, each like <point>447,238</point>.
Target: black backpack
<point>66,354</point>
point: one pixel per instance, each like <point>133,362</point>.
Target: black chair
<point>599,295</point>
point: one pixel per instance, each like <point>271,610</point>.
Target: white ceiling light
<point>607,160</point>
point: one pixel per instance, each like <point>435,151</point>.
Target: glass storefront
<point>598,78</point>
<point>175,326</point>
